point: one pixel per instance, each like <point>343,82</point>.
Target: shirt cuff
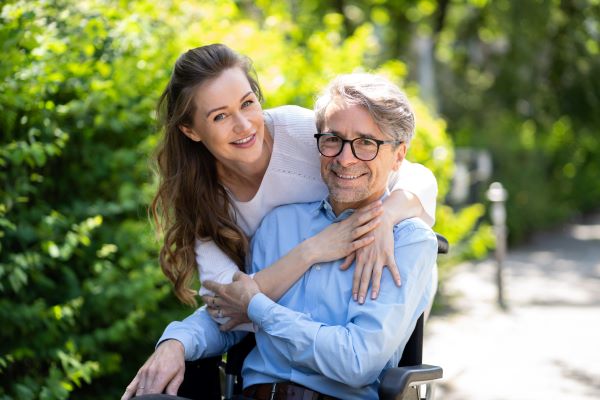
<point>259,308</point>
<point>184,337</point>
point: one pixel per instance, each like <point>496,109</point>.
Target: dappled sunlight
<point>544,345</point>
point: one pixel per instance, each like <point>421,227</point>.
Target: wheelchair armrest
<point>443,245</point>
<point>396,382</point>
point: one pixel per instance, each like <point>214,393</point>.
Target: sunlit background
<point>505,91</point>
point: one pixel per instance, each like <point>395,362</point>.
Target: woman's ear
<point>189,132</point>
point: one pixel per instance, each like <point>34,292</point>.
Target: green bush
<point>80,287</point>
<point>83,299</point>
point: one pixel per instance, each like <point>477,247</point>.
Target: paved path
<point>547,345</point>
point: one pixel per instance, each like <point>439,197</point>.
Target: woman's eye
<point>219,117</point>
<point>247,103</point>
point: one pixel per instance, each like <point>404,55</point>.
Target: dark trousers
<point>168,397</point>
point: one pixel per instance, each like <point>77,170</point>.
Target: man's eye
<point>331,139</point>
<point>219,117</point>
<point>366,142</point>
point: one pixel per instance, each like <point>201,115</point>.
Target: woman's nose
<point>242,123</point>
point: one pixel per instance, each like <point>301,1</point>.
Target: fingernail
<point>355,296</point>
<point>398,282</point>
<point>361,299</point>
<point>374,295</point>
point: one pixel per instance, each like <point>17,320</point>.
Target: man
<point>316,338</point>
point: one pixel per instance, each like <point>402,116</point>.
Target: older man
<point>316,337</point>
<point>316,341</point>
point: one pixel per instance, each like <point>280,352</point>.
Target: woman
<point>224,163</point>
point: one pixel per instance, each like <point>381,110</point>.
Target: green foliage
<point>520,80</point>
<point>77,270</point>
<point>83,299</point>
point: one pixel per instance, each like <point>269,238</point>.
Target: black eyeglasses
<point>365,149</point>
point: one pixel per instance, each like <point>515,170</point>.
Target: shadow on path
<point>545,345</point>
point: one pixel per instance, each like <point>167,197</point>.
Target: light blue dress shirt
<point>317,336</point>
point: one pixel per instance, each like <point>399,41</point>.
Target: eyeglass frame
<point>344,141</point>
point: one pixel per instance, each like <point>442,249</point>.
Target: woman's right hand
<point>342,239</point>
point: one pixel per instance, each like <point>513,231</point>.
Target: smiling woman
<point>228,120</point>
<point>223,164</point>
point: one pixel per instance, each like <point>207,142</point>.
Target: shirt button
<point>318,267</point>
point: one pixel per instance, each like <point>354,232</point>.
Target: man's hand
<point>231,300</point>
<point>164,369</point>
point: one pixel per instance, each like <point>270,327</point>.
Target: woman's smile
<point>245,142</point>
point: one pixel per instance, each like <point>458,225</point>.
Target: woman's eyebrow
<point>223,107</point>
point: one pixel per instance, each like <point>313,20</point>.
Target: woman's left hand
<point>232,317</point>
<point>371,260</point>
<point>231,300</point>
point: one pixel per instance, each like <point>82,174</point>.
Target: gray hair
<point>385,102</point>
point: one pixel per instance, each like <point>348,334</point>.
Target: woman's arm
<point>413,194</point>
<point>333,243</point>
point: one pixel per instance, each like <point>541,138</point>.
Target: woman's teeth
<point>245,140</point>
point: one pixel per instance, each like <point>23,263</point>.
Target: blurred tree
<point>514,77</point>
<point>519,78</point>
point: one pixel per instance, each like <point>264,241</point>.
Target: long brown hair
<point>191,203</point>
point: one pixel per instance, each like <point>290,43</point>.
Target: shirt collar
<point>327,210</point>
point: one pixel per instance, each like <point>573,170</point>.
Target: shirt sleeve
<point>213,265</point>
<point>356,353</point>
<point>420,181</point>
<point>200,336</point>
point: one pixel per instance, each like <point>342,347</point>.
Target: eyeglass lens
<point>363,148</point>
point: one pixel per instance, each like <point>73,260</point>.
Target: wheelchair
<point>410,380</point>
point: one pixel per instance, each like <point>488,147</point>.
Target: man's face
<point>353,183</point>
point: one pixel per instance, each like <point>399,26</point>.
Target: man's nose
<point>346,157</point>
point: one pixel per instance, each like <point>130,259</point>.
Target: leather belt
<point>283,391</point>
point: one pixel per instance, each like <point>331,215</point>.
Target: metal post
<point>498,195</point>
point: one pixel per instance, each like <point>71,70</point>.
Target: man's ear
<point>399,155</point>
<point>189,132</point>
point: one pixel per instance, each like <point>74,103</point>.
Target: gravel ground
<point>546,345</point>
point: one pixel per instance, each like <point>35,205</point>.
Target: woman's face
<point>228,119</point>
